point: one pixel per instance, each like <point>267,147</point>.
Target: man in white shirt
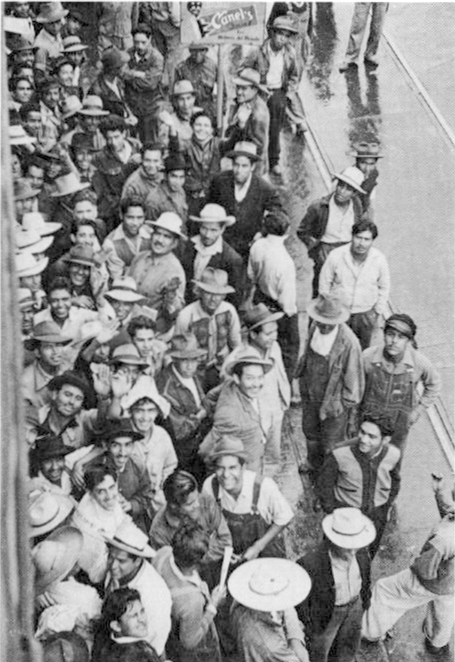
<point>359,274</point>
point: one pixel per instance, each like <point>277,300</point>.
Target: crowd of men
<point>161,341</point>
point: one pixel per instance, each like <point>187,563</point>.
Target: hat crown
<point>246,146</point>
<point>50,445</point>
<point>70,104</point>
<point>128,349</point>
<point>66,184</point>
<point>92,102</point>
<point>250,76</point>
<point>228,445</point>
<point>183,87</point>
<point>46,328</point>
<point>46,555</point>
<point>213,213</point>
<point>81,252</point>
<point>170,221</point>
<point>329,307</point>
<point>348,521</point>
<point>284,23</point>
<point>131,536</point>
<point>353,174</point>
<point>22,187</point>
<point>256,314</point>
<point>185,342</point>
<point>43,510</point>
<point>267,582</point>
<point>126,283</point>
<point>24,295</point>
<point>214,277</point>
<point>51,11</point>
<point>33,220</point>
<point>25,261</point>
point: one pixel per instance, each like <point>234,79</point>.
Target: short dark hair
<point>365,225</point>
<point>384,423</point>
<point>95,474</point>
<point>46,85</point>
<point>30,107</point>
<point>276,223</point>
<point>131,201</point>
<point>59,283</point>
<point>190,543</point>
<point>201,113</point>
<point>77,224</point>
<point>140,322</point>
<point>112,123</point>
<point>86,194</point>
<point>117,602</point>
<point>12,84</point>
<point>152,147</point>
<point>61,63</point>
<point>142,28</point>
<point>178,486</point>
<point>238,369</point>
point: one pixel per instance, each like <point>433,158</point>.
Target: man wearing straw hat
<point>331,379</point>
<point>48,43</point>
<point>263,617</point>
<point>339,569</point>
<point>328,222</point>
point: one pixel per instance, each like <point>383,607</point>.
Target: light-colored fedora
<point>23,190</point>
<point>228,445</point>
<point>34,220</point>
<point>183,87</point>
<point>26,265</point>
<point>269,584</point>
<point>47,510</point>
<point>171,222</point>
<point>129,355</point>
<point>73,44</point>
<point>259,315</point>
<point>353,177</point>
<point>349,528</point>
<point>56,556</point>
<point>247,76</point>
<point>246,357</point>
<point>70,106</point>
<point>214,281</point>
<point>124,289</point>
<point>51,12</point>
<point>285,23</point>
<point>328,310</point>
<point>244,148</point>
<point>93,106</point>
<point>46,331</point>
<point>130,539</point>
<point>18,136</point>
<point>186,346</point>
<point>67,185</point>
<point>213,213</point>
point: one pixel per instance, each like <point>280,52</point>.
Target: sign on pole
<point>223,23</point>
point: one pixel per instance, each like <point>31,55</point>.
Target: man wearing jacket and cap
<point>214,322</point>
<point>169,195</point>
<point>48,42</point>
<point>328,222</point>
<point>178,122</point>
<point>331,379</point>
<point>393,372</point>
<point>249,117</point>
<point>200,69</point>
<point>145,179</point>
<point>158,269</point>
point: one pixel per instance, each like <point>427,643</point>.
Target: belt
<point>348,604</point>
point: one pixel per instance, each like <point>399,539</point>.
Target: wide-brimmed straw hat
<point>18,136</point>
<point>93,106</point>
<point>129,538</point>
<point>183,87</point>
<point>124,289</point>
<point>23,190</point>
<point>246,357</point>
<point>26,265</point>
<point>248,76</point>
<point>285,23</point>
<point>269,584</point>
<point>56,556</point>
<point>349,528</point>
<point>80,254</point>
<point>353,177</point>
<point>186,346</point>
<point>214,281</point>
<point>51,12</point>
<point>259,315</point>
<point>365,150</point>
<point>67,185</point>
<point>46,331</point>
<point>227,445</point>
<point>70,106</point>
<point>244,148</point>
<point>213,213</point>
<point>171,222</point>
<point>328,310</point>
<point>30,241</point>
<point>145,387</point>
<point>129,355</point>
<point>73,44</point>
<point>46,511</point>
<point>34,220</point>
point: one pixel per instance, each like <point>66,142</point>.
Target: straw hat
<point>145,387</point>
<point>34,220</point>
<point>26,265</point>
<point>30,241</point>
<point>24,298</point>
<point>328,310</point>
<point>349,528</point>
<point>245,357</point>
<point>213,213</point>
<point>227,445</point>
<point>51,12</point>
<point>285,23</point>
<point>67,185</point>
<point>214,281</point>
<point>80,254</point>
<point>247,77</point>
<point>269,584</point>
<point>353,177</point>
<point>93,106</point>
<point>186,346</point>
<point>23,190</point>
<point>259,315</point>
<point>129,355</point>
<point>18,136</point>
<point>46,331</point>
<point>56,556</point>
<point>124,289</point>
<point>144,311</point>
<point>73,44</point>
<point>130,539</point>
<point>366,150</point>
<point>244,148</point>
<point>183,87</point>
<point>47,511</point>
<point>171,222</point>
<point>71,106</point>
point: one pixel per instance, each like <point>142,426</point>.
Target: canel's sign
<point>230,19</point>
<point>223,23</point>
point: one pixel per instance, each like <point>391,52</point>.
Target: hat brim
<point>229,220</point>
<point>366,156</point>
<point>212,289</point>
<point>75,49</point>
<point>62,14</point>
<point>125,296</point>
<point>41,246</point>
<point>242,455</point>
<point>187,354</point>
<point>35,270</point>
<point>59,381</point>
<point>66,505</point>
<point>288,28</point>
<point>95,112</point>
<point>75,541</point>
<point>243,82</point>
<point>155,224</point>
<point>129,360</point>
<point>49,228</point>
<point>342,317</point>
<point>43,455</point>
<point>357,541</point>
<point>233,153</point>
<point>32,343</point>
<point>249,360</point>
<point>146,553</point>
<point>81,187</point>
<point>114,434</point>
<point>349,182</point>
<point>68,114</point>
<point>273,317</point>
<point>84,263</point>
<point>22,140</point>
<point>297,587</point>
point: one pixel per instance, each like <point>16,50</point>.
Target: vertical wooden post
<point>220,91</point>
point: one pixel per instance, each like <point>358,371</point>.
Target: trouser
<point>277,107</point>
<point>289,341</point>
<point>358,27</point>
<point>363,325</point>
<point>273,445</point>
<point>319,256</point>
<point>322,437</point>
<point>394,596</point>
<point>340,639</point>
<point>379,519</point>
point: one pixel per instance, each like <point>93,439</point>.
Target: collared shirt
<point>362,285</point>
<point>153,273</point>
<point>190,384</point>
<point>339,224</point>
<point>274,78</point>
<point>35,382</point>
<point>347,578</point>
<point>272,269</point>
<point>322,343</point>
<point>53,46</point>
<point>204,254</point>
<point>76,433</point>
<point>156,452</point>
<point>272,505</point>
<point>241,190</point>
<point>115,263</point>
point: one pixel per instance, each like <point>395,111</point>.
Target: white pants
<point>394,596</point>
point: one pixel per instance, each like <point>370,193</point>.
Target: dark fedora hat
<point>259,315</point>
<point>174,162</point>
<point>50,445</point>
<point>119,428</point>
<point>71,378</point>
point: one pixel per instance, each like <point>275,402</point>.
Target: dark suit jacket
<point>228,259</point>
<point>315,612</point>
<point>261,197</point>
